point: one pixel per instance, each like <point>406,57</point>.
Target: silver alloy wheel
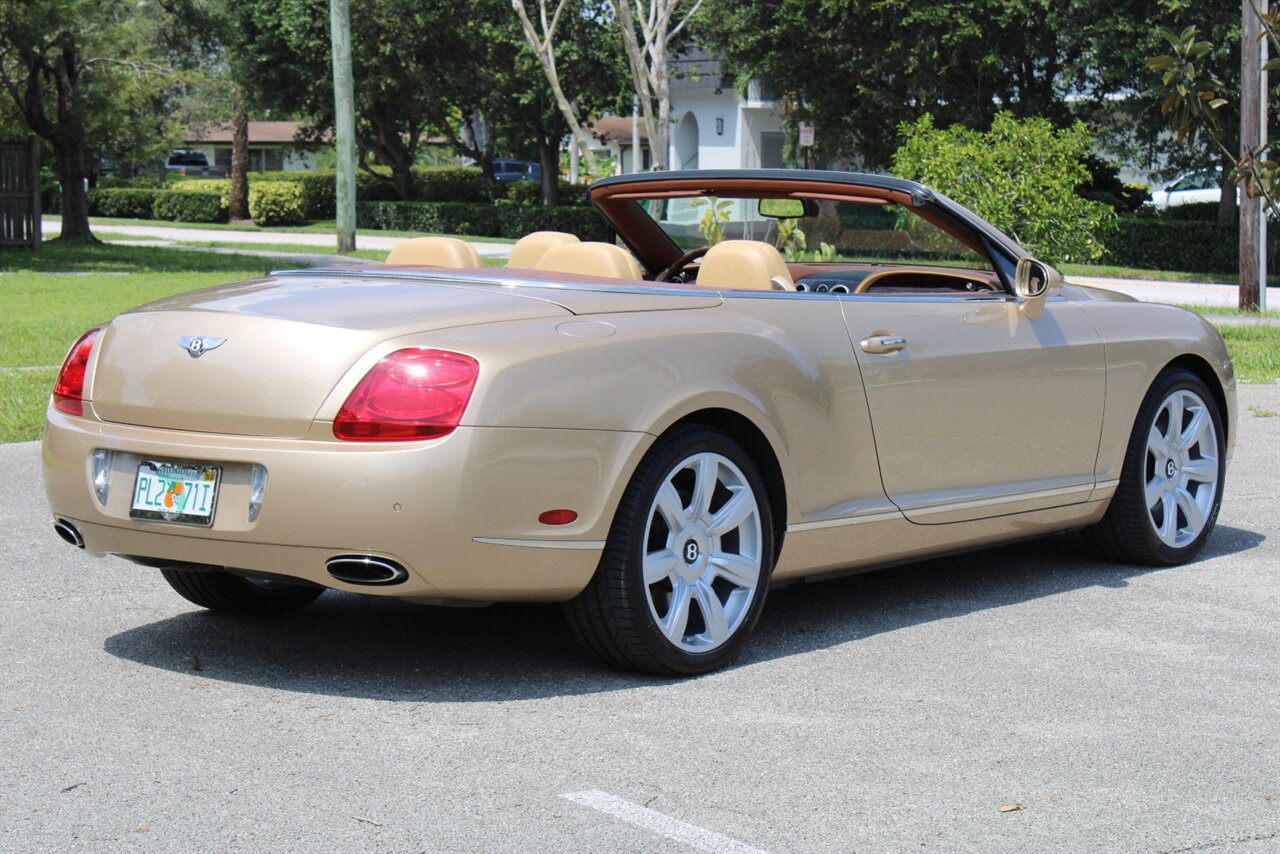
<point>1181,472</point>
<point>702,552</point>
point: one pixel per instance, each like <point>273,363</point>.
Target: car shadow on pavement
<point>361,647</point>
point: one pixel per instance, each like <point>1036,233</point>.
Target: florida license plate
<point>175,492</point>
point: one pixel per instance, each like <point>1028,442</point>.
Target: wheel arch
<point>744,431</point>
<point>1203,371</point>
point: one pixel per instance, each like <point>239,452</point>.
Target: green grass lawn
<point>1255,350</point>
<point>48,299</point>
<point>1229,311</point>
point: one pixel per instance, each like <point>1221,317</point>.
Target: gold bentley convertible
<point>764,377</point>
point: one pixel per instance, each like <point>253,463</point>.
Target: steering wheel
<point>680,263</point>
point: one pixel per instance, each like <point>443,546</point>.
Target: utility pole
<point>344,124</point>
<point>1252,107</point>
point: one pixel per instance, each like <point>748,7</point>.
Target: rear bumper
<point>459,513</point>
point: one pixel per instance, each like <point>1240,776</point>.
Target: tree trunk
<point>662,144</point>
<point>549,160</point>
<point>68,152</point>
<point>238,200</point>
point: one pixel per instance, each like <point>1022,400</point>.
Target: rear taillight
<point>68,392</point>
<point>410,394</point>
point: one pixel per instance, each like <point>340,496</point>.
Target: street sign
<point>806,135</point>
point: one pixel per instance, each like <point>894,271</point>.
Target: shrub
<point>318,189</point>
<point>449,183</point>
<point>204,185</point>
<point>190,206</point>
<point>1194,247</point>
<point>276,202</point>
<point>123,203</point>
<point>530,192</point>
<point>1021,176</point>
<point>1198,211</point>
<point>140,182</point>
<point>480,219</point>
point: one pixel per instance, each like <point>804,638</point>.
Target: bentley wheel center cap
<point>1170,469</point>
<point>691,552</point>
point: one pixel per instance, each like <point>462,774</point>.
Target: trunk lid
<point>287,342</point>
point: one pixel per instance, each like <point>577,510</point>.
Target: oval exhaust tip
<point>366,569</point>
<point>68,533</point>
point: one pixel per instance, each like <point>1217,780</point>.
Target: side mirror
<point>1031,281</point>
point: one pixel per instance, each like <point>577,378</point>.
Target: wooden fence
<point>20,194</point>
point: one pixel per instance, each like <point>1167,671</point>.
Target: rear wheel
<point>1170,488</point>
<point>684,574</point>
<point>238,594</point>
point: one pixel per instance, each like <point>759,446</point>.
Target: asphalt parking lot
<point>1022,699</point>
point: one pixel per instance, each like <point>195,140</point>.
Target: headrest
<point>435,252</point>
<point>744,265</point>
<point>529,249</point>
<point>603,260</point>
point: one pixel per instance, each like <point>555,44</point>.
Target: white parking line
<point>663,825</point>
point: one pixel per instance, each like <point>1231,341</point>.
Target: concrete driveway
<point>1022,699</point>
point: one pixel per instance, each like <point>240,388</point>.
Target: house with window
<point>273,146</point>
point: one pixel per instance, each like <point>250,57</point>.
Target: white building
<point>713,127</point>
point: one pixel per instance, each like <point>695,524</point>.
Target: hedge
<point>276,203</point>
<point>127,204</point>
<point>190,206</point>
<point>1167,244</point>
<point>140,182</point>
<point>481,219</point>
<point>530,192</point>
<point>1199,211</point>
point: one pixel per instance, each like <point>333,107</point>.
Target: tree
<point>858,69</point>
<point>1194,102</point>
<point>1022,176</point>
<point>590,74</point>
<point>82,70</point>
<point>541,40</point>
<point>417,66</point>
<point>649,30</point>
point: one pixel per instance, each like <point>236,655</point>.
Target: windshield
<point>832,232</point>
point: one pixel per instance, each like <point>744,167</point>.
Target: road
<point>1102,707</point>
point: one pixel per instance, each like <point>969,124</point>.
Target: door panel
<point>978,411</point>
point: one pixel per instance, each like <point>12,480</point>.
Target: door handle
<point>883,344</point>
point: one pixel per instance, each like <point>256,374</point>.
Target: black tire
<point>618,616</point>
<point>1130,531</point>
<point>228,593</point>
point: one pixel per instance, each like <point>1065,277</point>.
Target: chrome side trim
<point>1084,489</point>
<point>584,545</point>
<point>1107,484</point>
<point>798,527</point>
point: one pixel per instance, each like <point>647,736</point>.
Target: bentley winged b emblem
<point>198,345</point>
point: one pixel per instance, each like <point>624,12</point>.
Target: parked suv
<point>516,170</point>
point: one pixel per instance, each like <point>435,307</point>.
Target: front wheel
<point>686,567</point>
<point>1170,487</point>
<point>228,593</point>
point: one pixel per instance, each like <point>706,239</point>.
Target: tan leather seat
<point>744,265</point>
<point>531,247</point>
<point>602,260</point>
<point>436,252</point>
